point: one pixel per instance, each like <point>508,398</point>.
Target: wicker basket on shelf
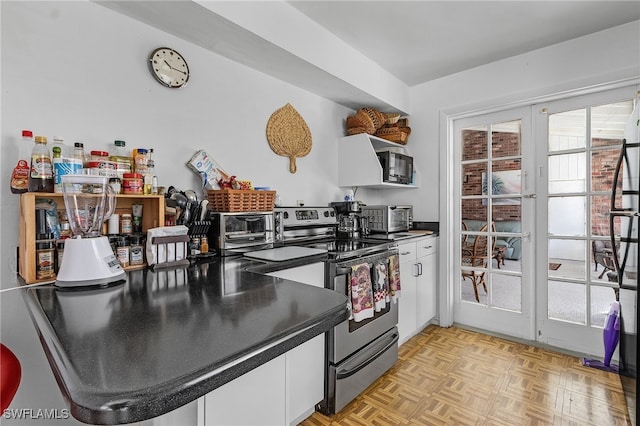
<point>239,200</point>
<point>394,134</point>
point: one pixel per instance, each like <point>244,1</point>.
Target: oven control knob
<point>326,213</point>
<point>285,215</point>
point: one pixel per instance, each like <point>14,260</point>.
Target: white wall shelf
<point>358,163</point>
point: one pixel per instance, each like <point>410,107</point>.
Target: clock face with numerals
<point>169,67</point>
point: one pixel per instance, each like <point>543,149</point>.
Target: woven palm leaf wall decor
<point>288,135</point>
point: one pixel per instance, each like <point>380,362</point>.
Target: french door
<point>493,288</point>
<point>578,141</point>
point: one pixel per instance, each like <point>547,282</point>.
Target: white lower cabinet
<point>255,398</point>
<point>305,363</point>
<point>408,294</point>
<point>418,272</point>
<point>283,391</point>
<point>305,379</point>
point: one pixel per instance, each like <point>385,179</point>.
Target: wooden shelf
<point>358,164</point>
<point>152,217</point>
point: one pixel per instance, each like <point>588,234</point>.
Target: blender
<point>88,257</point>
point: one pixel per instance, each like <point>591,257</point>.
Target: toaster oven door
<point>243,230</point>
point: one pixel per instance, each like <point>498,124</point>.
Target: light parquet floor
<point>452,376</point>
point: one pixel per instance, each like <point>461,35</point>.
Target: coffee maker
<point>351,224</point>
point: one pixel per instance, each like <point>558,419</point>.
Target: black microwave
<point>396,167</point>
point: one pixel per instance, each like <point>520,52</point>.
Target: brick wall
<point>508,144</point>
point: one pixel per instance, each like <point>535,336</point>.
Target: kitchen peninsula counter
<point>160,340</point>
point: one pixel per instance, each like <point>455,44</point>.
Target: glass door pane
<point>583,145</point>
<point>491,184</point>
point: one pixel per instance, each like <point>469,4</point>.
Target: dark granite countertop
<point>140,349</point>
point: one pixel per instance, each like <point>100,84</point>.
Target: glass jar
<point>136,250</point>
<point>204,244</point>
<point>126,223</point>
<point>141,161</point>
<point>122,251</point>
<point>45,260</point>
<point>122,160</point>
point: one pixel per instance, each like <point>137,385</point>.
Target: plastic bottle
<point>41,175</point>
<point>78,152</point>
<point>122,160</point>
<point>20,176</point>
<point>148,178</point>
<point>58,141</point>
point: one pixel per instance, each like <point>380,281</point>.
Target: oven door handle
<point>344,373</point>
<point>343,271</point>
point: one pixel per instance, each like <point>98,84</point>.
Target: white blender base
<point>88,262</point>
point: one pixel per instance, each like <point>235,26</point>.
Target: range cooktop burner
<point>350,248</point>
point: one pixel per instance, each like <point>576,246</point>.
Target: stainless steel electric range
<point>356,352</point>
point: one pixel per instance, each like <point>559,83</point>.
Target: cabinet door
<point>407,301</point>
<point>255,398</point>
<point>308,274</point>
<point>426,290</point>
<point>305,379</point>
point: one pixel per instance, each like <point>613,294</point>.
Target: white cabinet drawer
<point>426,247</point>
<point>407,251</point>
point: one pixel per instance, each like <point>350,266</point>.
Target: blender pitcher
<point>90,201</point>
<point>88,257</point>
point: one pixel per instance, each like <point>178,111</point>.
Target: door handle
<point>419,268</point>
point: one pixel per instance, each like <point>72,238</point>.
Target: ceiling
<point>419,41</point>
<point>371,53</point>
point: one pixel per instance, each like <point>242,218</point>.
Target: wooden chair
<point>477,256</point>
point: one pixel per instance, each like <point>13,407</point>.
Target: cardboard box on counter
<point>201,162</point>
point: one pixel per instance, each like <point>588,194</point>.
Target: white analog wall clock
<point>169,67</point>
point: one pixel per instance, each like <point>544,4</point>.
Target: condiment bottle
<point>45,260</point>
<point>20,175</point>
<point>136,252</point>
<point>148,178</point>
<point>122,251</point>
<point>126,224</point>
<point>204,245</point>
<point>41,174</point>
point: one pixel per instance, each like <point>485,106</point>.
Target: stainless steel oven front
<point>357,353</point>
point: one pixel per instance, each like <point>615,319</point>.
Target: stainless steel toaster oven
<point>235,233</point>
<point>388,219</point>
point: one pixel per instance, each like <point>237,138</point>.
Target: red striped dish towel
<point>380,285</point>
<point>394,277</point>
<point>361,292</point>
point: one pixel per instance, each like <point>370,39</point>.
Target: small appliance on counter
<point>88,257</point>
<point>388,219</point>
<point>351,224</point>
<point>238,232</point>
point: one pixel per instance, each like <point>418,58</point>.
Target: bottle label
<point>20,177</point>
<point>41,167</point>
<point>64,166</point>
